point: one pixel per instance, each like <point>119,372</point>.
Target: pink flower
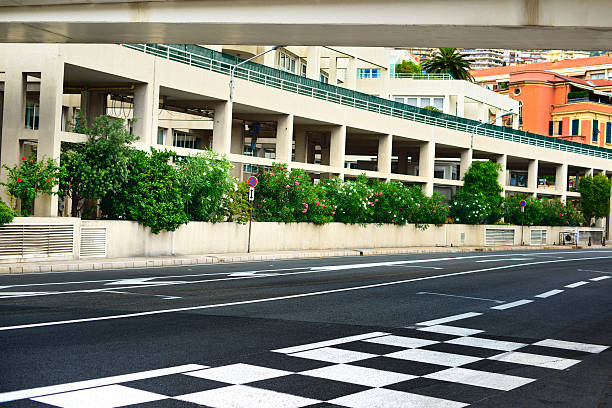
<point>287,186</point>
<point>296,183</point>
<point>376,200</point>
<point>304,210</point>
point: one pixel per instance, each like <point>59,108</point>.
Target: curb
<point>88,265</point>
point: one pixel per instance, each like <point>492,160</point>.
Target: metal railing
<point>401,75</point>
<point>293,83</point>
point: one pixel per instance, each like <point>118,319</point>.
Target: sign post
<point>252,184</point>
<point>523,203</point>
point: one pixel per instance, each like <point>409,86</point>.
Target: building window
<point>368,73</point>
<point>324,78</point>
<point>595,130</point>
<point>31,116</point>
<point>608,133</point>
<point>575,127</point>
<point>551,128</point>
<point>421,102</point>
<point>560,128</point>
<point>598,76</point>
<point>304,69</point>
<point>161,136</point>
<point>286,62</point>
<point>185,140</point>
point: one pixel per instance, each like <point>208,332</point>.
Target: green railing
<point>402,75</point>
<point>205,58</point>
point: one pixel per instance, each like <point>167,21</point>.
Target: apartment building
<point>484,58</point>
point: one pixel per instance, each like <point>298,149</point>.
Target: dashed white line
<point>576,284</point>
<point>449,319</point>
<point>549,293</point>
<point>599,278</point>
<point>513,304</point>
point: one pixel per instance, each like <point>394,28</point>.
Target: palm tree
<point>449,61</point>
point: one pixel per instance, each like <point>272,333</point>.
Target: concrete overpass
<point>526,24</point>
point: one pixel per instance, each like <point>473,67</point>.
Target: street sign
<point>251,193</point>
<point>252,181</point>
<point>523,203</point>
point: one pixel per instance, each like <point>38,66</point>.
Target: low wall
<point>130,239</point>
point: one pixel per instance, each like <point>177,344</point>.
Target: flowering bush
<point>29,179</point>
<point>543,212</point>
<point>6,214</point>
<point>479,200</point>
<point>290,196</point>
<point>353,201</point>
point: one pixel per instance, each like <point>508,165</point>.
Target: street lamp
<point>233,70</point>
<point>489,122</point>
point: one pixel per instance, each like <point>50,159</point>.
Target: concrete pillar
<point>483,113</point>
<point>499,121</point>
<point>384,90</point>
<point>284,138</point>
<point>169,137</point>
<point>502,178</point>
<point>466,162</point>
<point>337,146</point>
<point>222,127</point>
<point>351,74</point>
<point>268,59</point>
<point>93,104</point>
<point>461,106</point>
<point>427,159</point>
<point>13,123</point>
<point>313,67</point>
<point>590,172</point>
<point>333,70</point>
<point>446,107</point>
<point>385,145</point>
<point>561,181</point>
<point>301,145</point>
<point>532,177</point>
<point>49,144</point>
<point>146,111</point>
<point>515,121</point>
<point>237,143</point>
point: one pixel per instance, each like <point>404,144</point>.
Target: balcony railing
<point>222,63</point>
<point>421,76</point>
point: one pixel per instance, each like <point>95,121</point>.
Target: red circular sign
<point>523,203</point>
<point>252,181</point>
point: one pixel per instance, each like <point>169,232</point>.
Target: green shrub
<point>479,200</point>
<point>353,201</point>
<point>578,94</point>
<point>542,212</point>
<point>6,214</point>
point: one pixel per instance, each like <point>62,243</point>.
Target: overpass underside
<point>526,24</point>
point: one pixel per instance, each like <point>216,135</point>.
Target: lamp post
<point>489,122</point>
<point>233,69</point>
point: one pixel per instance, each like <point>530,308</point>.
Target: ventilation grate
<point>93,242</point>
<point>36,240</point>
<point>499,236</point>
<point>537,237</point>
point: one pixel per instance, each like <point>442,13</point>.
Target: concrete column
<point>532,177</point>
<point>313,67</point>
<point>384,92</point>
<point>461,106</point>
<point>268,59</point>
<point>93,104</point>
<point>502,178</point>
<point>446,107</point>
<point>351,74</point>
<point>466,162</point>
<point>426,165</point>
<point>515,122</point>
<point>590,172</point>
<point>13,123</point>
<point>301,145</point>
<point>237,143</point>
<point>146,111</point>
<point>284,138</point>
<point>222,127</point>
<point>561,181</point>
<point>385,145</point>
<point>337,146</point>
<point>499,121</point>
<point>333,70</point>
<point>483,113</point>
<point>169,137</point>
<point>49,144</point>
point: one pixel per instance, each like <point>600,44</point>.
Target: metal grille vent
<point>537,236</point>
<point>36,240</point>
<point>93,242</point>
<point>499,236</point>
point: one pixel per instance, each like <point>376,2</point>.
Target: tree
<point>595,196</point>
<point>407,67</point>
<point>6,214</point>
<point>93,169</point>
<point>479,200</point>
<point>449,61</point>
<point>30,178</point>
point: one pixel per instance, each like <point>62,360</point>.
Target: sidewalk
<point>158,261</point>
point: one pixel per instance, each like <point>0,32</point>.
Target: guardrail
<point>400,75</point>
<point>222,63</point>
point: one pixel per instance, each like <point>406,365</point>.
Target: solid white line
<point>569,345</point>
<point>549,293</point>
<point>576,284</point>
<point>452,330</point>
<point>327,343</point>
<point>513,304</point>
<point>461,297</point>
<point>589,270</point>
<point>505,259</point>
<point>599,278</point>
<point>301,295</point>
<point>449,319</point>
<point>98,382</point>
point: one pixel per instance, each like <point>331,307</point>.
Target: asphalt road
<point>504,329</point>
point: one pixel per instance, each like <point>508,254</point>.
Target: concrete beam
<point>526,24</point>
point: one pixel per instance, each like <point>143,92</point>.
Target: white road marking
<point>589,270</point>
<point>576,284</point>
<point>502,382</point>
<point>569,345</point>
<point>23,294</point>
<point>513,304</point>
<point>253,274</point>
<point>242,396</point>
<point>434,357</point>
<point>334,355</point>
<point>449,319</point>
<point>461,297</point>
<point>452,330</point>
<point>385,398</point>
<point>55,389</point>
<point>328,343</point>
<point>325,292</point>
<point>505,259</point>
<point>101,397</point>
<point>401,341</point>
<point>487,343</point>
<point>556,363</point>
<point>239,373</point>
<point>549,293</point>
<point>599,278</point>
<point>368,377</point>
<point>166,297</point>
